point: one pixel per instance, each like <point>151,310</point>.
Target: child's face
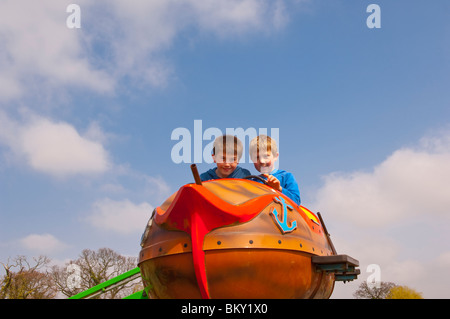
<point>226,164</point>
<point>264,162</point>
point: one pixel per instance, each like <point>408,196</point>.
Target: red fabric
<point>197,211</point>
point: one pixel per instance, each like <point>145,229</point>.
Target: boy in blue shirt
<point>264,154</point>
<point>227,152</point>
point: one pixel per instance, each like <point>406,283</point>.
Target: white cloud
<point>121,216</point>
<point>54,148</point>
<point>136,34</point>
<point>128,183</point>
<point>58,149</point>
<point>411,182</point>
<point>36,46</point>
<point>117,40</point>
<point>227,17</point>
<point>395,216</point>
<point>405,272</point>
<point>444,259</point>
<point>42,244</point>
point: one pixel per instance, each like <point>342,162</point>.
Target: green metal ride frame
<point>113,283</point>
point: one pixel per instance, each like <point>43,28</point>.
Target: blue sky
<point>86,117</point>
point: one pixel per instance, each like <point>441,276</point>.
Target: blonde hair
<point>262,144</point>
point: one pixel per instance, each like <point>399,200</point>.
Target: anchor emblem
<point>282,224</point>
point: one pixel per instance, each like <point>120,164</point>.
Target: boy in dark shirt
<point>227,152</point>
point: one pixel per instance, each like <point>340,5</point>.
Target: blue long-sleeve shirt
<point>239,172</point>
<point>287,180</point>
<point>289,185</point>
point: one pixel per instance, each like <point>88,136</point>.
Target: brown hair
<point>226,143</point>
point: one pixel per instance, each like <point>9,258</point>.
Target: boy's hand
<point>273,182</point>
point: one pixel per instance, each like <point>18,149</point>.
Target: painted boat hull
<point>233,238</point>
<point>237,274</point>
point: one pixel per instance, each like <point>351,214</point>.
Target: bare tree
<point>26,281</point>
<point>367,292</point>
<point>93,268</point>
